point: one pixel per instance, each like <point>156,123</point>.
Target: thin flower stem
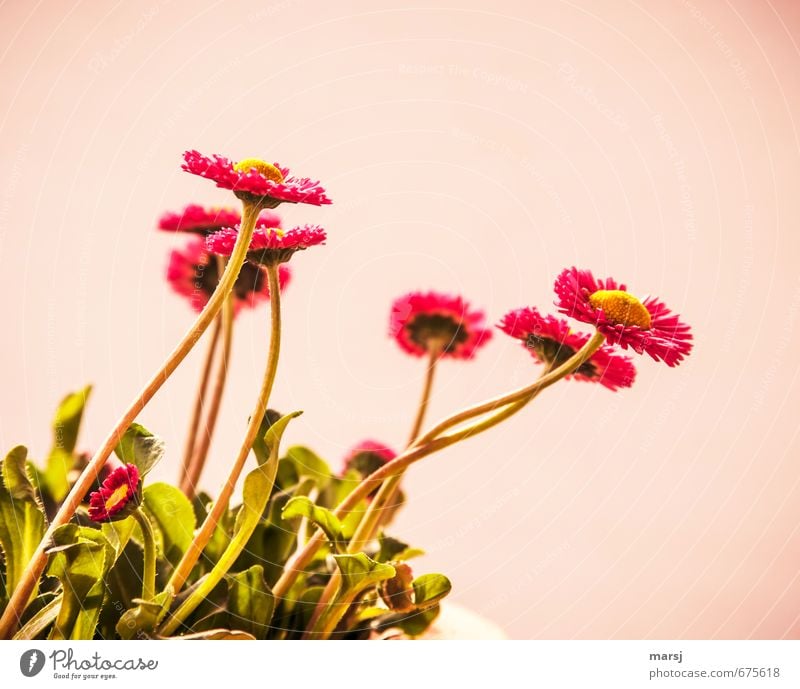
<point>503,407</point>
<point>21,595</point>
<point>149,542</point>
<point>197,411</point>
<point>574,362</point>
<point>380,505</point>
<point>201,539</point>
<point>192,479</point>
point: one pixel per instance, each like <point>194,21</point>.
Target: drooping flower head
<point>269,246</point>
<point>118,495</point>
<point>551,342</point>
<point>421,321</point>
<point>646,326</point>
<point>256,181</point>
<point>194,273</point>
<point>204,221</point>
<point>367,457</point>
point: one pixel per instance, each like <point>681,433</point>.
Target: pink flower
<point>645,326</point>
<point>551,342</point>
<point>419,321</point>
<point>201,220</point>
<point>256,180</point>
<point>193,273</point>
<point>268,246</point>
<point>118,492</point>
<point>367,457</point>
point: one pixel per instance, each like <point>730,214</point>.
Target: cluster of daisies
<point>423,324</point>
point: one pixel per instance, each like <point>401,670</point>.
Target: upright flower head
<point>367,457</point>
<point>646,326</point>
<point>204,221</point>
<point>256,181</point>
<point>117,496</point>
<point>194,273</point>
<point>421,321</point>
<point>268,246</point>
<point>551,342</point>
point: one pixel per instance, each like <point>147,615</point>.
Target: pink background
<point>477,147</point>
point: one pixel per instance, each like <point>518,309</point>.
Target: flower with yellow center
<point>646,326</point>
<point>255,180</point>
<point>621,308</point>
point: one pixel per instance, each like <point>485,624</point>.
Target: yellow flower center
<point>621,308</point>
<point>265,169</point>
<point>117,496</point>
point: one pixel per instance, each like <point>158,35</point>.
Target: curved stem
<point>192,478</point>
<point>379,506</point>
<point>197,411</point>
<point>149,542</point>
<point>201,539</point>
<point>19,599</point>
<point>503,407</point>
<point>573,363</point>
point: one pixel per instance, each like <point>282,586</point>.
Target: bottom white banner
<point>350,664</point>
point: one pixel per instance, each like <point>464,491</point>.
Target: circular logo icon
<point>31,662</point>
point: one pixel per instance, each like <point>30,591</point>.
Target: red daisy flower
<point>194,273</point>
<point>551,342</point>
<point>646,326</point>
<point>268,245</point>
<point>419,321</point>
<point>367,457</point>
<point>118,492</point>
<point>201,220</point>
<point>256,180</point>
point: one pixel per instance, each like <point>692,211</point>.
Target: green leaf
<point>360,571</point>
<point>22,521</point>
<point>40,621</point>
<point>392,549</point>
<point>302,506</point>
<point>307,464</point>
<point>140,447</point>
<point>80,558</point>
<point>66,424</point>
<point>251,602</point>
<point>217,635</point>
<point>173,514</point>
<point>413,624</point>
<point>255,495</point>
<point>429,589</point>
<point>145,617</point>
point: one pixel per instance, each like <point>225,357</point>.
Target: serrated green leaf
<point>302,506</point>
<point>360,571</point>
<point>80,557</point>
<point>66,425</point>
<point>22,521</point>
<point>250,601</point>
<point>140,447</point>
<point>308,464</point>
<point>429,589</point>
<point>255,495</point>
<point>392,549</point>
<point>217,635</point>
<point>142,619</point>
<point>173,515</point>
